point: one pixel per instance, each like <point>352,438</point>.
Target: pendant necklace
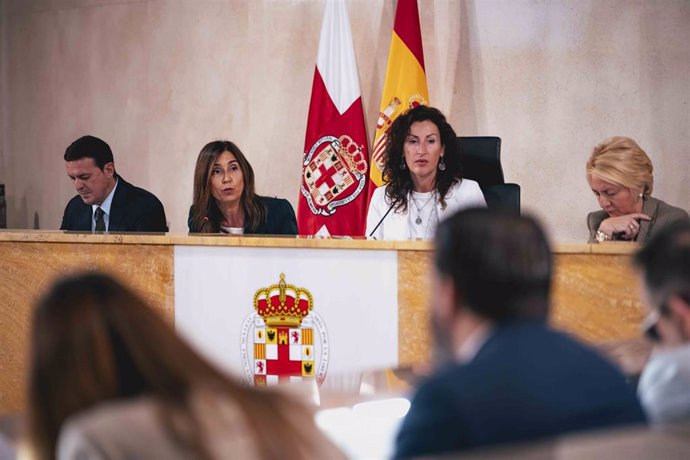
<point>418,220</point>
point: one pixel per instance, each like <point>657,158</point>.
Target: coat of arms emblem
<point>335,173</point>
<point>283,339</point>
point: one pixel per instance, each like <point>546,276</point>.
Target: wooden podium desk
<point>595,295</point>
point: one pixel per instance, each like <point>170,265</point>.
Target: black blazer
<point>133,209</point>
<point>280,218</point>
<point>526,382</point>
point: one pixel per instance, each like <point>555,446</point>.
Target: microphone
<point>384,216</point>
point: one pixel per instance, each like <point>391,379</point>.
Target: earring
<point>441,165</point>
<point>402,163</point>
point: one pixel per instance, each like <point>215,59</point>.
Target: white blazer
<point>396,225</point>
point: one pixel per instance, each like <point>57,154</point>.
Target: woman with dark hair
<point>423,179</point>
<point>110,379</point>
<point>225,199</point>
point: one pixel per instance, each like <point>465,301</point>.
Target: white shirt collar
<point>663,385</point>
<point>105,206</point>
<point>232,230</point>
<point>471,346</point>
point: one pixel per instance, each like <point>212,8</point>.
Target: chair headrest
<point>481,159</point>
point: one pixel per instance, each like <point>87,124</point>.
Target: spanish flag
<point>405,84</point>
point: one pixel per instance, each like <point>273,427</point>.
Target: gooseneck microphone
<point>384,216</point>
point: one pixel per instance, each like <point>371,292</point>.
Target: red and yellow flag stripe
<point>405,83</point>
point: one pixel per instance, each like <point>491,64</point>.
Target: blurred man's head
<point>90,166</point>
<point>490,266</point>
<point>664,263</point>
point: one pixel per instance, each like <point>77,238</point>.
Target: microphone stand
<point>384,216</point>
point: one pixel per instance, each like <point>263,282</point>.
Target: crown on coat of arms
<point>283,304</point>
<point>353,155</point>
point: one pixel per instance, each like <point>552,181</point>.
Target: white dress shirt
<point>664,386</point>
<point>105,206</point>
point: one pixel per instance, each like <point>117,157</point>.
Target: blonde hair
<point>619,160</point>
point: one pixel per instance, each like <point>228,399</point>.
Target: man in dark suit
<point>106,202</point>
<point>510,377</point>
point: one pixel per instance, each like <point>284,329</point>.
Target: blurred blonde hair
<point>619,160</point>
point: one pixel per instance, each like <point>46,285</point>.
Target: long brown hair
<point>206,215</point>
<point>398,179</point>
<point>93,341</point>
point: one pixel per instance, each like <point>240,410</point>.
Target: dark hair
<point>500,263</point>
<point>399,180</point>
<point>665,262</point>
<point>90,147</point>
<point>206,215</point>
<point>93,340</point>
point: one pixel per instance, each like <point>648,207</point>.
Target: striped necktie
<point>100,221</point>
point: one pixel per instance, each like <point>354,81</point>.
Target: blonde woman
<point>619,173</point>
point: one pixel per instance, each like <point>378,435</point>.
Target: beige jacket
<point>134,429</point>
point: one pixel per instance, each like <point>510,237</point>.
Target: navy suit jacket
<point>526,382</point>
<point>133,209</point>
<point>280,218</point>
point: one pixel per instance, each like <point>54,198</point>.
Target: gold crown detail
<point>282,304</point>
<point>353,155</point>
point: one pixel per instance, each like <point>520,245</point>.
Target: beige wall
<point>158,79</point>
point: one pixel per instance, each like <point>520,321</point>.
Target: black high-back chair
<point>481,162</point>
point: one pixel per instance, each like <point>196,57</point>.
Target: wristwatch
<point>601,236</point>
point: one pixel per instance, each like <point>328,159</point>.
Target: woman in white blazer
<point>424,184</point>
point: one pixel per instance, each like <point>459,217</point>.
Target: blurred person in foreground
<point>664,386</point>
<point>7,450</point>
<point>109,379</point>
<point>619,173</point>
<point>105,201</point>
<point>511,378</point>
<point>424,182</point>
<point>225,200</point>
